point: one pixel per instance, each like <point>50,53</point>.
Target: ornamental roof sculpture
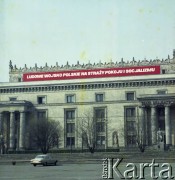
<point>167,66</point>
<point>110,64</point>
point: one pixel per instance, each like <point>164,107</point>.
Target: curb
<point>92,161</point>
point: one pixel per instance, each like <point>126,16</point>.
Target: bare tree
<point>87,130</point>
<point>140,138</point>
<point>137,137</point>
<point>45,133</point>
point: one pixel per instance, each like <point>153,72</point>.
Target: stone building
<point>127,100</point>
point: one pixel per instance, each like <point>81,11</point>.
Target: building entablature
<point>157,100</point>
<point>17,105</point>
<point>78,86</point>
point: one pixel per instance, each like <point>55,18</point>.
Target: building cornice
<point>157,100</point>
<point>104,103</point>
<point>15,103</point>
<point>29,88</point>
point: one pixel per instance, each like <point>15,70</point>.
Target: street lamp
<point>1,143</point>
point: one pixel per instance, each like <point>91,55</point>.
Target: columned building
<point>13,123</point>
<point>157,112</point>
<point>128,101</point>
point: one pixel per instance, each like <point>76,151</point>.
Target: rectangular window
<point>19,79</point>
<point>100,113</point>
<point>130,96</point>
<point>41,115</point>
<point>100,140</point>
<point>131,126</point>
<point>163,71</point>
<point>12,98</point>
<point>100,126</point>
<point>70,128</point>
<point>41,99</point>
<point>130,112</point>
<point>70,114</point>
<point>70,98</point>
<point>131,140</point>
<point>161,92</point>
<point>70,141</point>
<point>99,97</point>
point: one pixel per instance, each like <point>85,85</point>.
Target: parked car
<point>44,159</point>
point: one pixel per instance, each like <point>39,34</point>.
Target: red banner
<point>91,73</point>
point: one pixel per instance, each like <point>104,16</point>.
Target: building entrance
<point>161,118</point>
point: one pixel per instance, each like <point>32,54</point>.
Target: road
<point>26,171</point>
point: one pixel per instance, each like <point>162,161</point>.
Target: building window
<point>131,127</point>
<point>130,112</point>
<point>70,114</point>
<point>131,140</point>
<point>100,120</point>
<point>41,115</point>
<point>19,79</point>
<point>99,97</point>
<point>130,96</point>
<point>12,98</point>
<point>70,128</point>
<point>163,71</point>
<point>100,114</point>
<point>70,141</point>
<point>161,92</point>
<point>100,126</point>
<point>70,98</point>
<point>100,140</point>
<point>41,99</point>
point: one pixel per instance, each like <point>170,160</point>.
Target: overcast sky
<point>40,31</point>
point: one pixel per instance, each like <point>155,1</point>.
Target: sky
<point>40,31</point>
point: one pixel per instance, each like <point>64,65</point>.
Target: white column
<point>1,133</point>
<point>12,130</point>
<point>1,123</point>
<point>167,125</point>
<point>104,120</point>
<point>153,125</point>
<point>142,124</point>
<point>22,131</point>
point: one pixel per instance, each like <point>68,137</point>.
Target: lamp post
<point>1,144</point>
<point>71,144</point>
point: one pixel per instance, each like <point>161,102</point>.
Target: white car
<point>44,159</point>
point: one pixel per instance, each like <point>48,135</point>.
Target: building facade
<point>129,101</point>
